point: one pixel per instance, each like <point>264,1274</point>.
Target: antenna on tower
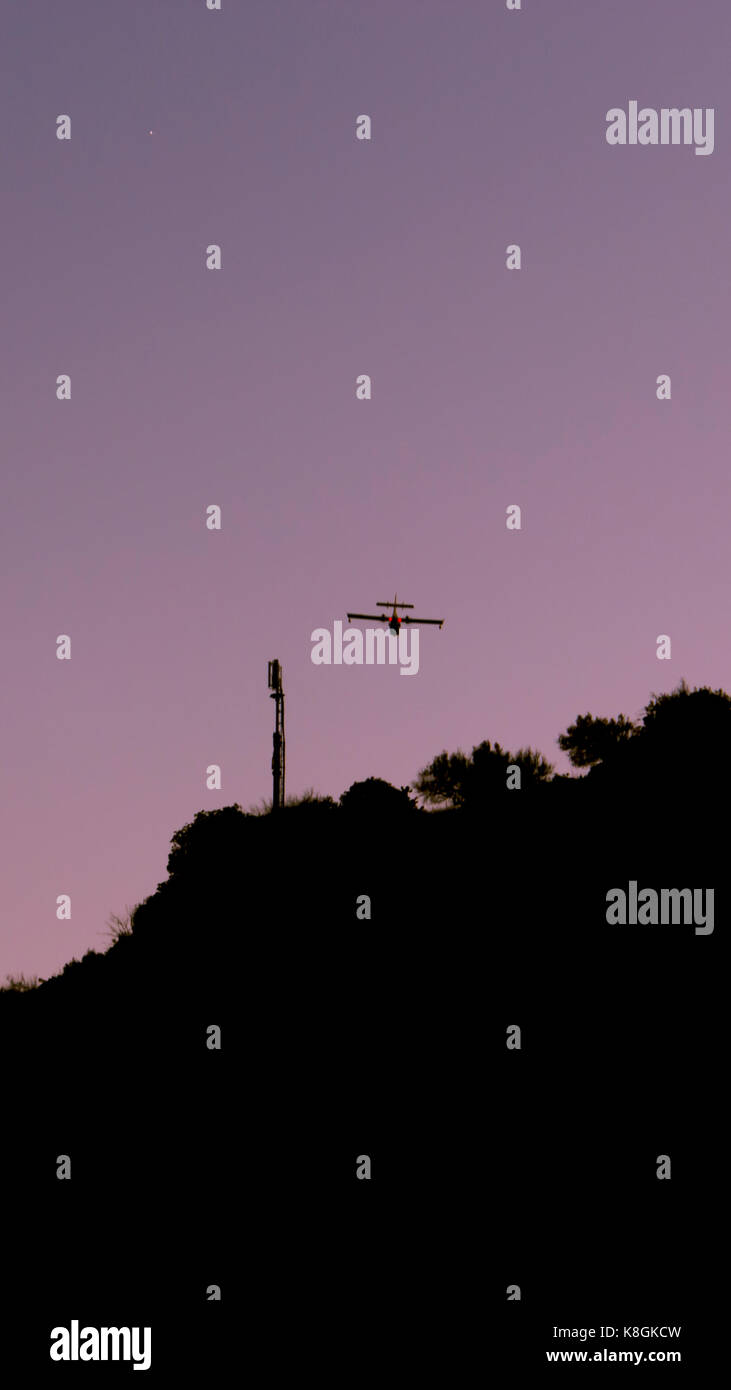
<point>277,694</point>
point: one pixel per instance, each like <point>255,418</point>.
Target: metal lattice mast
<point>278,755</point>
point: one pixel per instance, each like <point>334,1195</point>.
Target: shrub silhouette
<point>377,800</point>
<point>474,783</point>
<point>20,983</point>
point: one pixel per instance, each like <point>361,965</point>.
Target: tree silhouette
<point>683,713</point>
<point>472,782</point>
<point>444,779</point>
<point>686,737</point>
<point>589,741</point>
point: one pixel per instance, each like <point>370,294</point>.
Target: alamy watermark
<point>349,649</point>
<point>102,1344</point>
<point>663,127</point>
<point>650,909</point>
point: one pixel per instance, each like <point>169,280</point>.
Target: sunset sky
<point>237,387</point>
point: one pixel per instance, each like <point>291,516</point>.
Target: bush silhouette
<point>377,800</point>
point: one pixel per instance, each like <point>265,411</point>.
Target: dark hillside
<point>385,1035</point>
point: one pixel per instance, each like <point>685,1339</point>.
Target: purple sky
<point>237,387</point>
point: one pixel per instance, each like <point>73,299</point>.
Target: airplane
<point>394,621</point>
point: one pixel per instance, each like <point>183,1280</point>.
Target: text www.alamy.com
<point>605,1355</point>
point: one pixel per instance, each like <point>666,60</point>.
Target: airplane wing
<point>372,617</point>
<point>434,622</point>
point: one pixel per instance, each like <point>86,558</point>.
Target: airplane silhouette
<point>394,621</point>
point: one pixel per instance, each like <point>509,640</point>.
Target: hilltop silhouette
<point>238,881</point>
<point>345,1027</point>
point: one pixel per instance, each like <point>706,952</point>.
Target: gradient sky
<point>237,387</point>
